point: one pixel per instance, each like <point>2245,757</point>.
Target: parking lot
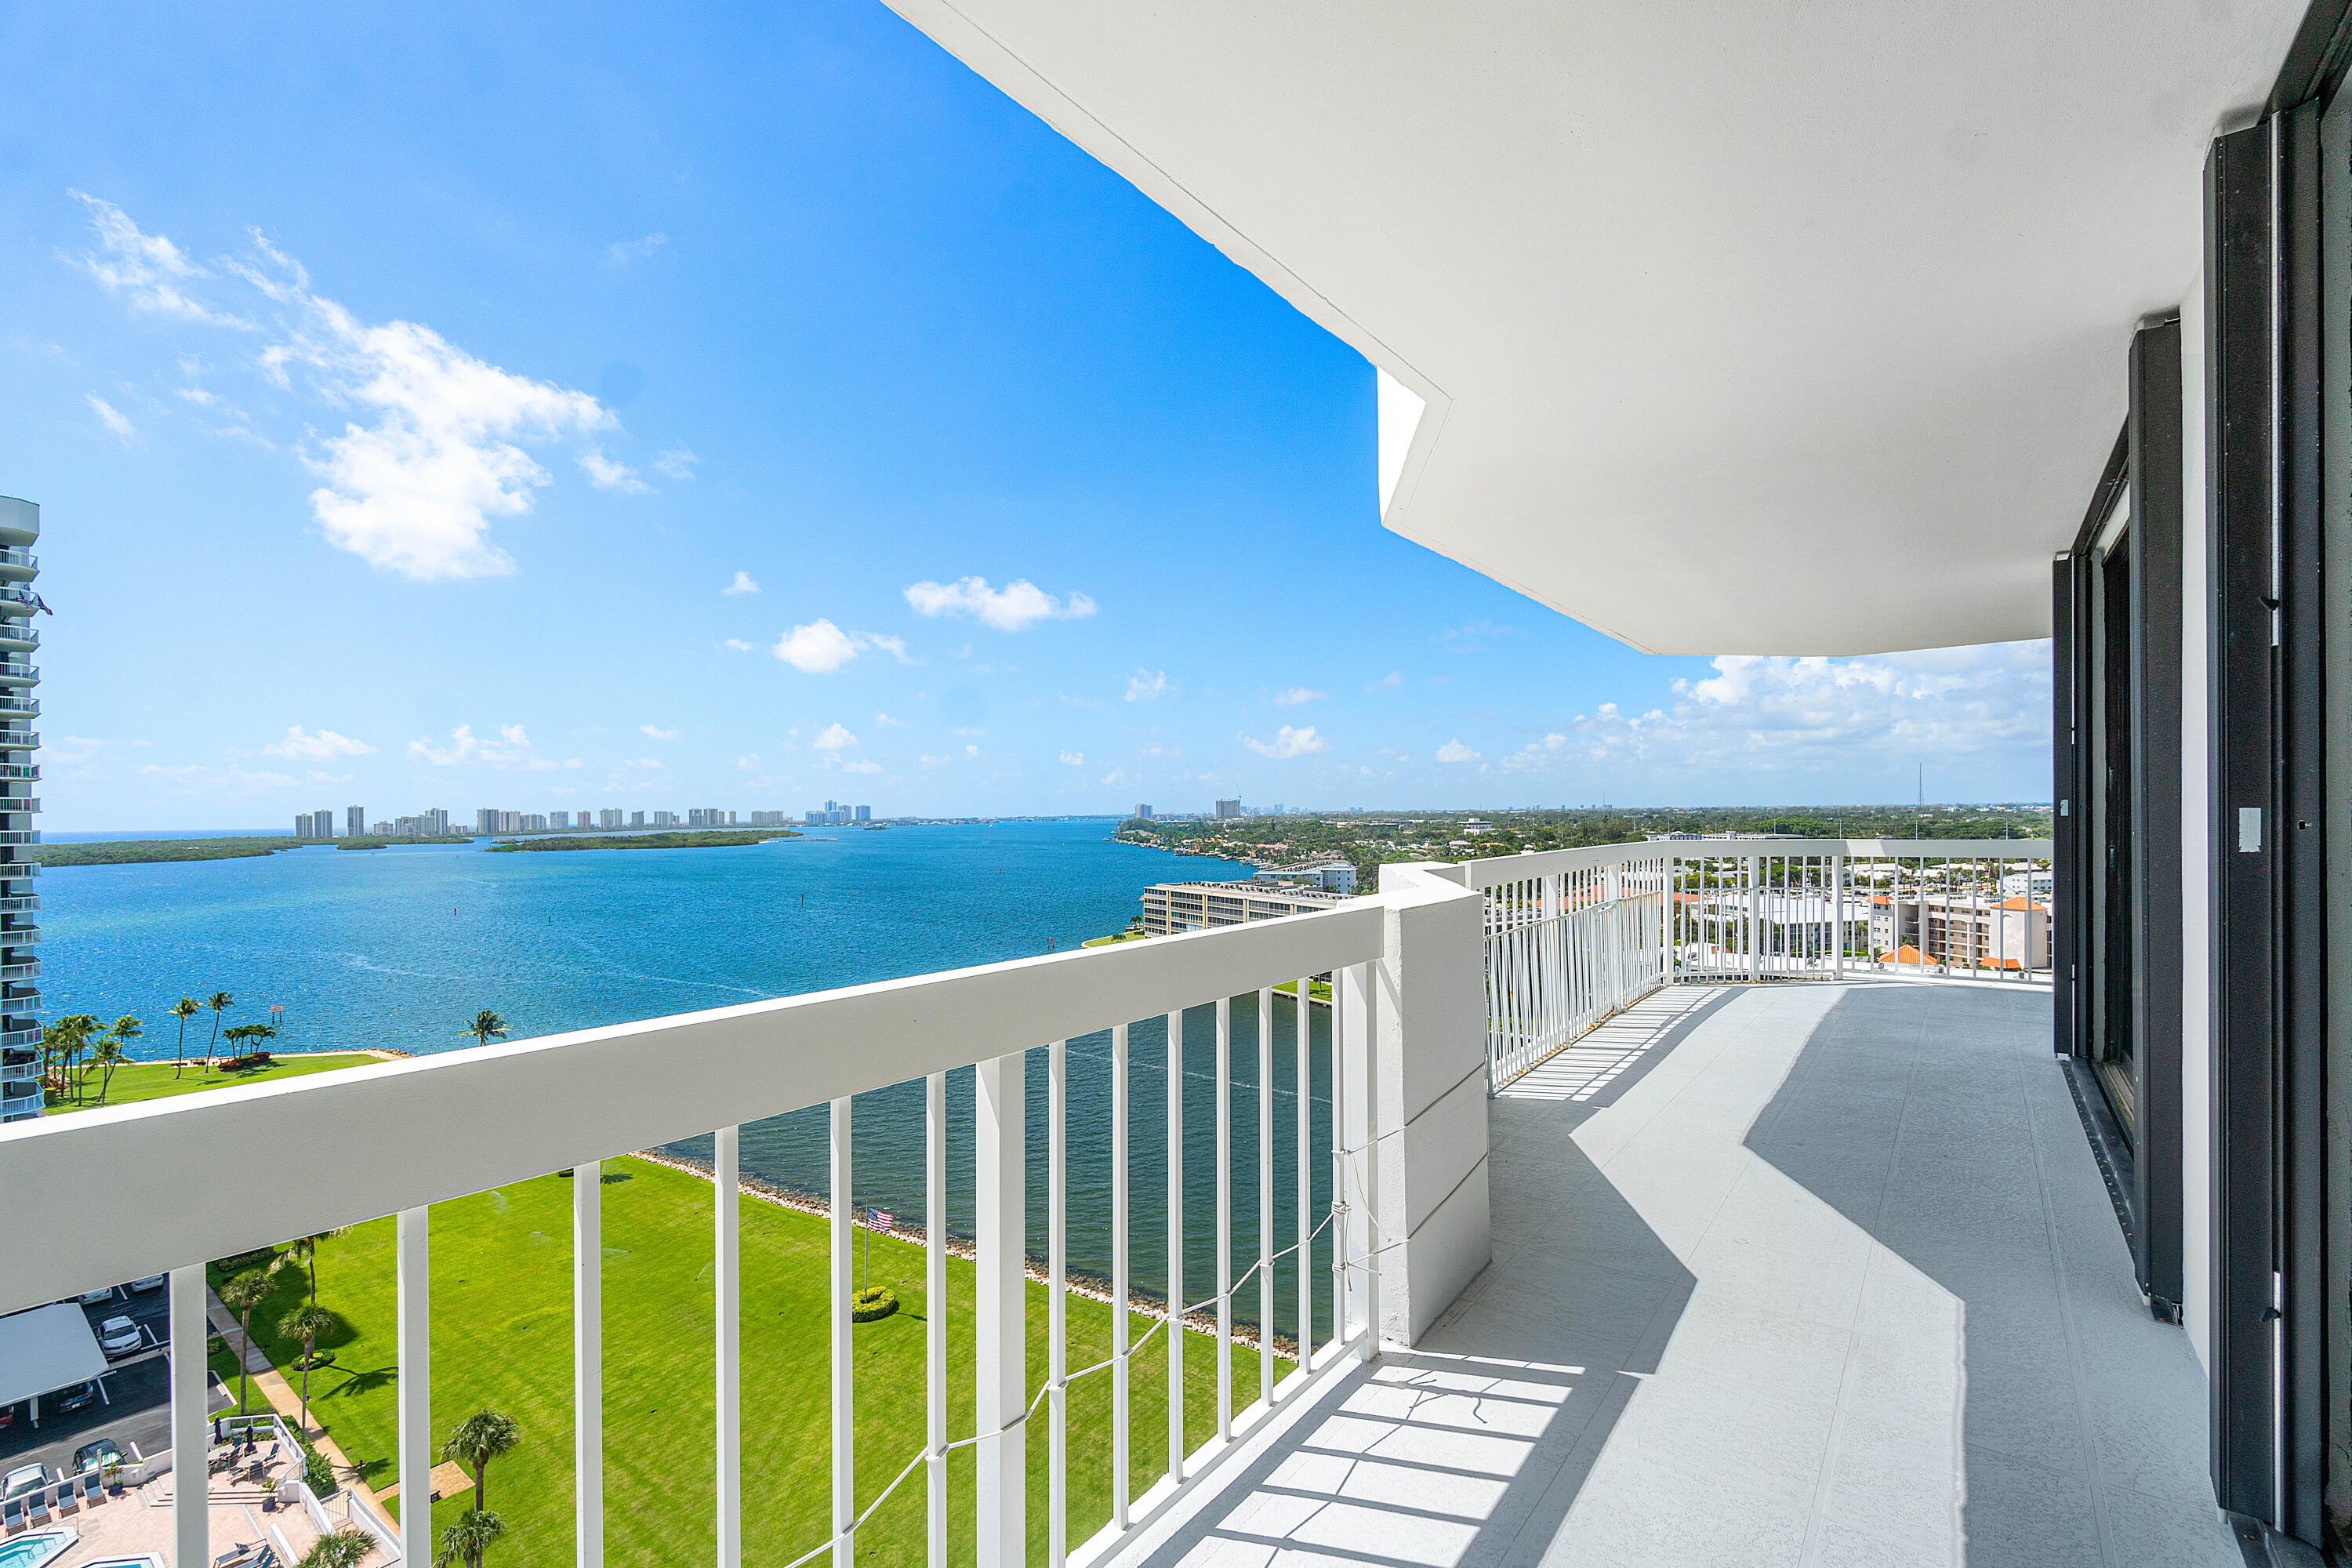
<point>135,1408</point>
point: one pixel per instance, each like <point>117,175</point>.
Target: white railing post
<point>1356,1261</point>
<point>1119,1285</point>
<point>727,1304</point>
<point>587,1365</point>
<point>1266,1197</point>
<point>1837,915</point>
<point>413,1345</point>
<point>1224,1087</point>
<point>191,1438</point>
<point>1000,1330</point>
<point>1058,1314</point>
<point>935,1314</point>
<point>1176,1247</point>
<point>841,1189</point>
<point>1303,1079</point>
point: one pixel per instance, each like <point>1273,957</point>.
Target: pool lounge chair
<point>12,1515</point>
<point>37,1506</point>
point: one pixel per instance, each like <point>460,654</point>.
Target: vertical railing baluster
<point>999,1327</point>
<point>587,1364</point>
<point>935,1312</point>
<point>1118,1287</point>
<point>842,1190</point>
<point>1224,1217</point>
<point>413,1388</point>
<point>1304,1082</point>
<point>727,1317</point>
<point>1057,1311</point>
<point>1176,1247</point>
<point>1343,1287</point>
<point>1837,926</point>
<point>1266,1197</point>
<point>190,1384</point>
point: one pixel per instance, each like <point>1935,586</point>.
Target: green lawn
<point>161,1080</point>
<point>502,1336</point>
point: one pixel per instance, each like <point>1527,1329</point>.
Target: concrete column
<point>413,1292</point>
<point>1428,1077</point>
<point>190,1434</point>
<point>1000,1364</point>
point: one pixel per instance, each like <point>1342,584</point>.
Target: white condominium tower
<point>20,996</point>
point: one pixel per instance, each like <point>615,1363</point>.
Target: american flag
<point>879,1219</point>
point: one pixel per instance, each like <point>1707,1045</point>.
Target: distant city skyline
<point>495,429</point>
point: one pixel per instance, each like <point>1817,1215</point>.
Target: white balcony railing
<point>1386,1190</point>
<point>1574,936</point>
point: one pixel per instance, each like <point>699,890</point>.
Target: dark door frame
<point>2267,933</point>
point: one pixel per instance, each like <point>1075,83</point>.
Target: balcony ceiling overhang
<point>1785,328</point>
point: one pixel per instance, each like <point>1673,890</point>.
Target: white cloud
<point>629,765</point>
<point>883,721</point>
<point>968,730</point>
<point>1393,754</point>
<point>1455,752</point>
<point>1288,743</point>
<point>607,474</point>
<point>116,424</point>
<point>434,451</point>
<point>1155,748</point>
<point>1474,637</point>
<point>860,766</point>
<point>229,778</point>
<point>197,396</point>
<point>1794,715</point>
<point>1389,682</point>
<point>834,738</point>
<point>749,764</point>
<point>1073,759</point>
<point>740,646</point>
<point>627,250</point>
<point>302,746</point>
<point>652,733</point>
<point>678,462</point>
<point>1116,776</point>
<point>743,585</point>
<point>971,750</point>
<point>821,647</point>
<point>1536,754</point>
<point>512,748</point>
<point>146,268</point>
<point>1149,686</point>
<point>929,760</point>
<point>1292,697</point>
<point>1018,604</point>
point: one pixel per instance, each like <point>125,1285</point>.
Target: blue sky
<point>579,407</point>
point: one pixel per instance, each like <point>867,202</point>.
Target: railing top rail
<point>403,1134</point>
<point>1502,868</point>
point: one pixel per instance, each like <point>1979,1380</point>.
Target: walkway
<point>1803,1274</point>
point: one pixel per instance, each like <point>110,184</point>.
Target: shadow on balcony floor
<point>1804,1274</point>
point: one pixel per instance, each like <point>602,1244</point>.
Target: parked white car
<point>17,1483</point>
<point>119,1337</point>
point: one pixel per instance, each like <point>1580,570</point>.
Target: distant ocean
<point>401,947</point>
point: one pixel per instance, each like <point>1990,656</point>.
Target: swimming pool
<point>32,1550</point>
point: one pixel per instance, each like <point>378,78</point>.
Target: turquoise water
<point>32,1550</point>
<point>400,947</point>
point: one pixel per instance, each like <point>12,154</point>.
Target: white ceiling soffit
<point>1791,327</point>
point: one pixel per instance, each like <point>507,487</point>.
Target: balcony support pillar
<point>1427,1075</point>
<point>190,1436</point>
<point>413,1312</point>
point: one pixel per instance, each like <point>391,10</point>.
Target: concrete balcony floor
<point>1797,1274</point>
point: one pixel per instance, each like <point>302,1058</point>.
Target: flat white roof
<point>47,1348</point>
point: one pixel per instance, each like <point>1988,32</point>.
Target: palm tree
<point>185,1008</point>
<point>219,1001</point>
<point>306,1324</point>
<point>346,1548</point>
<point>303,1251</point>
<point>123,1030</point>
<point>476,1440</point>
<point>65,1041</point>
<point>244,1035</point>
<point>476,1532</point>
<point>487,1026</point>
<point>106,1053</point>
<point>241,1296</point>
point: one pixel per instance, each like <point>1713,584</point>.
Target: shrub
<point>872,1302</point>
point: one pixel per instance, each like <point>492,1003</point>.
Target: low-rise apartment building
<point>1963,932</point>
<point>1170,906</point>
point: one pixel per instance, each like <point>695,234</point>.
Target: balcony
<point>17,566</point>
<point>1814,1267</point>
<point>18,637</point>
<point>14,672</point>
<point>20,704</point>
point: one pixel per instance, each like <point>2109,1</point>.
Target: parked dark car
<point>79,1397</point>
<point>95,1456</point>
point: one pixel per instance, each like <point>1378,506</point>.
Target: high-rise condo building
<point>865,813</point>
<point>637,819</point>
<point>485,819</point>
<point>355,821</point>
<point>1228,808</point>
<point>324,818</point>
<point>1142,812</point>
<point>608,819</point>
<point>20,997</point>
